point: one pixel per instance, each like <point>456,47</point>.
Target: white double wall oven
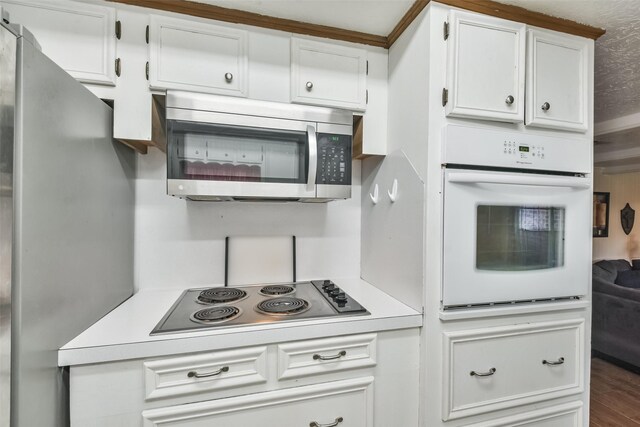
<point>516,217</point>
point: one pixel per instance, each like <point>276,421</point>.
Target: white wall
<point>180,243</point>
<point>624,188</point>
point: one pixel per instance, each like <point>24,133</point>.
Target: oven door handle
<point>539,181</point>
<point>312,149</point>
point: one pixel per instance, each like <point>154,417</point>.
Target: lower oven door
<point>514,237</point>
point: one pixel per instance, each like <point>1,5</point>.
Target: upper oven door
<point>235,156</point>
<point>514,237</point>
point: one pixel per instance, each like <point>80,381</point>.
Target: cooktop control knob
<point>329,288</point>
<point>341,302</point>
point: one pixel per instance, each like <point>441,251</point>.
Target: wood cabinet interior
<point>358,124</point>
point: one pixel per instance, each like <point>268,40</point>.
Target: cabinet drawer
<point>313,357</point>
<point>205,372</point>
<point>350,401</point>
<point>566,415</point>
<point>497,368</point>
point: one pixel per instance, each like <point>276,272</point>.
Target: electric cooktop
<point>218,307</point>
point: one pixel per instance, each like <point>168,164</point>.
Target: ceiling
<point>617,58</point>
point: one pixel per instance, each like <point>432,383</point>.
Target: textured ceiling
<point>367,16</point>
<point>617,56</point>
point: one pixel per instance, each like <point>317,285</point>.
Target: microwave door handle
<point>541,181</point>
<point>312,148</point>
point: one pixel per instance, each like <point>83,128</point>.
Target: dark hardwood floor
<point>615,396</point>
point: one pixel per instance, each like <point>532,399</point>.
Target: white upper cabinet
<point>198,57</point>
<point>557,81</point>
<point>485,68</point>
<point>79,37</point>
<point>328,74</point>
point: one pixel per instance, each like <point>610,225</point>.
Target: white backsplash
<point>180,243</point>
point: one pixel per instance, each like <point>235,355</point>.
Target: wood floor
<point>615,396</point>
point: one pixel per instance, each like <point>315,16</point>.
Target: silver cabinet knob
<point>546,106</point>
<point>309,86</point>
<point>509,100</point>
<point>228,77</point>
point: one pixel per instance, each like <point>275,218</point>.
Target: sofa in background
<point>616,310</point>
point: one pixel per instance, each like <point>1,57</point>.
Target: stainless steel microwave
<point>222,148</point>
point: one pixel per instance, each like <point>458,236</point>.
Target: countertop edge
<point>131,351</point>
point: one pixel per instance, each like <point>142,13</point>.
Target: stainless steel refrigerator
<point>66,225</point>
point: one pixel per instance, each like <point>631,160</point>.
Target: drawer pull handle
<point>483,374</point>
<point>333,424</point>
<point>335,356</point>
<point>553,362</point>
<point>194,374</point>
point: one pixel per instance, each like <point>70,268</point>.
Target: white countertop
<point>124,333</point>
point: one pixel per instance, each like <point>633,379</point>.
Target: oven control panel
<point>334,159</point>
<point>474,146</point>
<point>523,151</point>
<point>338,298</point>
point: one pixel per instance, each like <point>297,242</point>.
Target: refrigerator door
<point>73,229</point>
<point>7,106</point>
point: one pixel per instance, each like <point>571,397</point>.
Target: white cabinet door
<point>346,403</point>
<point>198,57</point>
<point>491,369</point>
<point>328,74</point>
<point>485,68</point>
<point>79,37</point>
<point>557,81</point>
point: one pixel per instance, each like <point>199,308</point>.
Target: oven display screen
<point>524,149</point>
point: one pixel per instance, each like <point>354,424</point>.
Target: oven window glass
<point>216,152</point>
<point>519,238</point>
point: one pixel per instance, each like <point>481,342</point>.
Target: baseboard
<point>621,363</point>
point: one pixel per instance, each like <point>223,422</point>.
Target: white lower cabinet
<point>347,403</point>
<point>318,382</point>
<point>496,368</point>
<point>565,415</point>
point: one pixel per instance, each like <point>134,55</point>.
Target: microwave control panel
<point>334,159</point>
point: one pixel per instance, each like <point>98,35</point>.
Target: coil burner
<point>218,314</point>
<point>283,306</point>
<point>221,295</point>
<point>277,290</point>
